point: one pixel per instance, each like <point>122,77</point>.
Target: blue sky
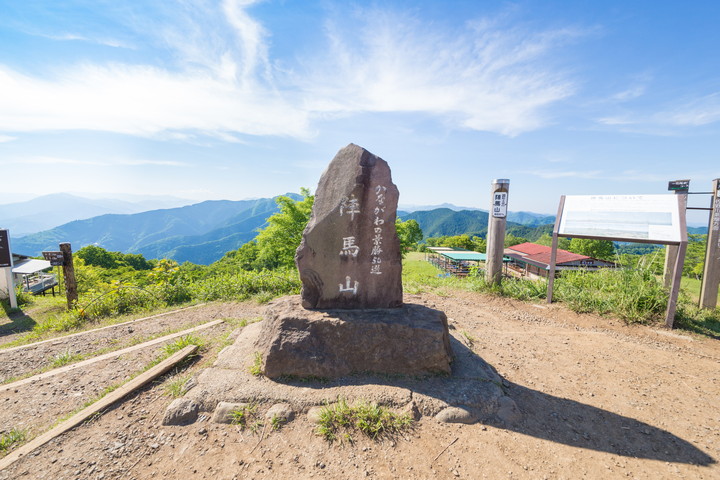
<point>238,98</point>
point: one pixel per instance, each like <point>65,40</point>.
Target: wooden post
<point>69,274</point>
<point>711,272</point>
<point>553,251</point>
<point>671,253</point>
<point>679,263</point>
<point>497,218</point>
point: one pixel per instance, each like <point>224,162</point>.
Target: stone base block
<point>411,340</point>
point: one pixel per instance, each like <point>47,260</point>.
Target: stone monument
<point>349,324</point>
<point>350,317</point>
<point>349,256</point>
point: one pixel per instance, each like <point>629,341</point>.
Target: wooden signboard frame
<point>675,234</point>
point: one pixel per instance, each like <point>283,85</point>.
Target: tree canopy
<point>409,233</point>
<point>278,241</point>
<point>600,249</point>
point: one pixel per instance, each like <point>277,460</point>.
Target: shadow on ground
<point>17,321</point>
<point>544,416</point>
<point>580,425</point>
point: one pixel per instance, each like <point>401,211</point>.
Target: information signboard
<point>56,259</point>
<point>5,254</point>
<point>633,218</point>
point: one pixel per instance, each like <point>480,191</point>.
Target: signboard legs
<point>711,272</point>
<point>7,272</point>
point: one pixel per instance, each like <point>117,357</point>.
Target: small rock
<point>188,385</point>
<point>281,411</point>
<point>508,410</point>
<point>182,411</point>
<point>314,414</point>
<point>412,411</point>
<point>456,415</point>
<point>224,411</point>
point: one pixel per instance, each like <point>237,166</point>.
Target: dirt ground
<point>599,399</point>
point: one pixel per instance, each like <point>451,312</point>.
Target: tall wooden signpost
<point>711,272</point>
<point>496,229</point>
<point>625,218</point>
<point>680,187</point>
<point>69,274</point>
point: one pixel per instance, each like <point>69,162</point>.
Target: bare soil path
<point>599,400</point>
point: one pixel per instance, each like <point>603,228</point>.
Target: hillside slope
<point>199,233</point>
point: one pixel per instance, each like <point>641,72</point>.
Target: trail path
<point>599,400</point>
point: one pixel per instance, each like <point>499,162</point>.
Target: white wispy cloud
<point>549,175</point>
<point>113,161</point>
<point>108,42</point>
<point>671,120</point>
<point>6,138</point>
<point>481,76</point>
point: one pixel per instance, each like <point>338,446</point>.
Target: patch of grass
<point>183,342</point>
<point>11,438</point>
<point>244,417</point>
<point>277,422</point>
<point>635,296</point>
<point>703,321</point>
<point>370,419</point>
<point>469,338</point>
<point>256,367</point>
<point>65,358</point>
<point>174,387</point>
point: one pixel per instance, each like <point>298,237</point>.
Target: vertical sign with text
<point>500,201</point>
<point>5,254</point>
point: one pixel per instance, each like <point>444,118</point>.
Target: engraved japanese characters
<point>350,254</point>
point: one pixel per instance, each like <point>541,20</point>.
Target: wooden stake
<point>69,274</point>
<point>98,406</point>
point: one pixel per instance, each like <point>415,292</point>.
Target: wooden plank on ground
<point>98,406</point>
<point>57,339</point>
<point>115,354</point>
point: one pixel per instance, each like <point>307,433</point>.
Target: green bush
<point>633,295</point>
<point>243,285</point>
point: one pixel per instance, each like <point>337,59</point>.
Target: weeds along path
<point>19,362</point>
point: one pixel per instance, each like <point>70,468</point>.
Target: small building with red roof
<point>533,260</point>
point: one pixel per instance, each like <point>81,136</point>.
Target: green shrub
<point>369,418</point>
<point>10,439</point>
<point>633,295</point>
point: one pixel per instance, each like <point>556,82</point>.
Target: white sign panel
<point>500,204</point>
<point>622,217</point>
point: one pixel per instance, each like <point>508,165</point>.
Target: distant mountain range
<point>200,233</point>
<point>203,232</point>
<point>444,221</point>
<point>50,211</point>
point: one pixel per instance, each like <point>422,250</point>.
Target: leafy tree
<point>479,244</point>
<point>97,256</point>
<point>546,239</point>
<point>277,242</point>
<point>511,240</point>
<point>601,249</point>
<point>474,243</point>
<point>695,256</point>
<point>409,233</point>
